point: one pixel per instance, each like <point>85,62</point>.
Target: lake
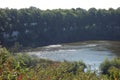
<point>90,52</point>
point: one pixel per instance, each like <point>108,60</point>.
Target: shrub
<point>107,64</point>
<point>114,73</point>
<point>10,69</point>
<point>24,67</point>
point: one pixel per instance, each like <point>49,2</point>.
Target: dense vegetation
<point>107,65</point>
<point>34,27</point>
<point>24,67</point>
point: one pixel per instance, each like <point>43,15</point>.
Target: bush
<point>114,73</point>
<point>24,67</point>
<point>111,69</point>
<point>10,69</point>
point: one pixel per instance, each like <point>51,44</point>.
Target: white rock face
<point>34,23</point>
<point>15,33</point>
<point>11,37</point>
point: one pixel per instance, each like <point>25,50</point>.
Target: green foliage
<point>24,67</point>
<point>10,69</point>
<point>107,64</point>
<point>114,73</point>
<point>32,27</point>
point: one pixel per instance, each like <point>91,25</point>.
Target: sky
<point>63,4</point>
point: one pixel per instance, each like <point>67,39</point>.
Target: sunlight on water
<point>53,46</point>
<point>90,53</point>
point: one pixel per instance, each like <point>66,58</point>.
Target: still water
<point>91,52</point>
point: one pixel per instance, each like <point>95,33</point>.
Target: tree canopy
<point>34,27</point>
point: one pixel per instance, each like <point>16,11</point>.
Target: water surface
<point>91,52</point>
